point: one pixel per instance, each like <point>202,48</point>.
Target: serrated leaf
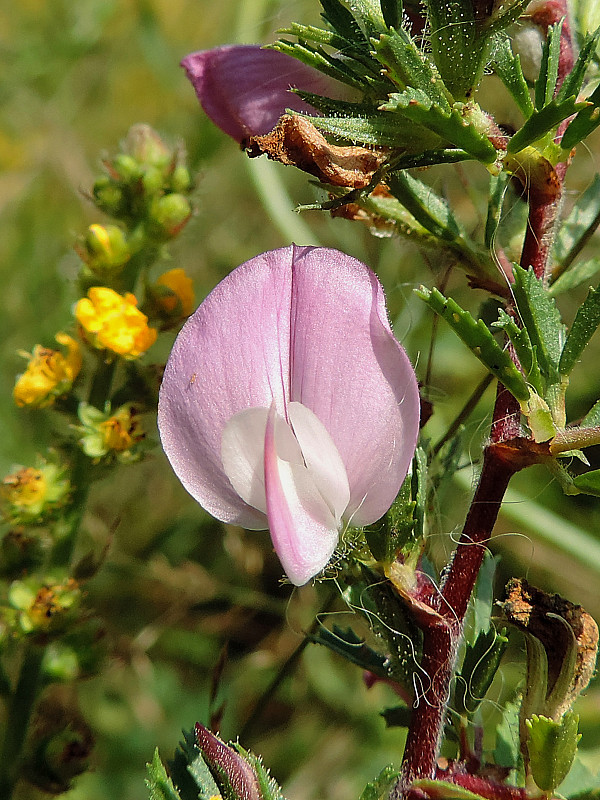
<point>521,342</point>
<point>507,65</point>
<point>158,782</point>
<point>588,482</point>
<point>574,79</point>
<point>451,125</point>
<point>190,772</point>
<point>546,80</point>
<point>586,121</point>
<point>581,331</point>
<point>477,337</point>
<point>342,21</point>
<point>347,644</point>
<point>541,317</point>
<point>323,62</point>
<point>507,752</point>
<point>407,65</point>
<point>380,788</point>
<point>552,747</point>
<point>578,227</point>
<point>541,122</point>
<point>269,788</point>
<point>368,16</point>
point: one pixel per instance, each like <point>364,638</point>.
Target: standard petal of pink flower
<point>245,89</point>
<point>287,402</point>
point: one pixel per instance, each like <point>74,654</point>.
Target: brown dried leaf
<point>296,142</point>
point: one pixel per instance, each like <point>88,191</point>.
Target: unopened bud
<point>169,214</point>
<point>105,249</point>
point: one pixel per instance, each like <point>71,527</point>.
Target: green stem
<point>20,709</point>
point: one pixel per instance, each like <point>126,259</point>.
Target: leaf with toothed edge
<point>507,65</point>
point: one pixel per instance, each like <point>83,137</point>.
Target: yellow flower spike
<point>49,374</point>
<point>180,292</point>
<point>112,321</point>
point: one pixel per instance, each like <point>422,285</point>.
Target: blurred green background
<point>176,588</point>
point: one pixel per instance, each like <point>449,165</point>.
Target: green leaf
<point>342,21</point>
<point>396,717</point>
<point>443,790</point>
<point>368,16</point>
<point>552,747</point>
<point>425,205</point>
<point>190,772</point>
<point>498,187</point>
<point>576,230</point>
<point>525,351</point>
<point>407,65</point>
<point>451,125</point>
<point>546,80</point>
<point>158,782</point>
<point>592,418</point>
<point>543,121</point>
<point>386,536</point>
<point>574,80</point>
<point>588,482</point>
<point>348,72</point>
<point>380,788</point>
<point>347,644</point>
<point>455,45</point>
<point>507,65</point>
<point>269,788</point>
<point>579,273</point>
<point>477,337</point>
<point>392,12</point>
<point>541,317</point>
<point>507,752</point>
<point>478,670</point>
<point>586,121</point>
<point>581,331</point>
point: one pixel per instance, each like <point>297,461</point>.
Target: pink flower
<point>245,89</point>
<point>287,402</point>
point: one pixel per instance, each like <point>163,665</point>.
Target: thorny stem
<point>500,462</point>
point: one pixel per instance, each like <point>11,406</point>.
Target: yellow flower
<point>49,374</point>
<point>112,321</point>
<point>179,295</point>
<point>30,493</point>
<point>120,434</point>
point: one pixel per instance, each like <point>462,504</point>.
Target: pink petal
<point>347,367</point>
<point>245,89</point>
<point>232,353</point>
<point>303,529</point>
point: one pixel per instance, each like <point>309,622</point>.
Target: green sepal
<point>443,790</point>
<point>407,65</point>
<point>347,644</point>
<point>451,124</point>
<point>581,331</point>
<point>576,230</point>
<point>477,337</point>
<point>380,788</point>
<point>507,65</point>
<point>579,273</point>
<point>525,351</point>
<point>584,123</point>
<point>543,121</point>
<point>498,187</point>
<point>546,81</point>
<point>588,482</point>
<point>542,319</point>
<point>386,536</point>
<point>479,667</point>
<point>158,782</point>
<point>552,747</point>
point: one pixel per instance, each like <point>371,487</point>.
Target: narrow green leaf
<point>336,68</point>
<point>425,205</point>
<point>368,16</point>
<point>523,348</point>
<point>158,782</point>
<point>407,65</point>
<point>586,121</point>
<point>478,670</point>
<point>498,186</point>
<point>546,81</point>
<point>396,717</point>
<point>455,45</point>
<point>507,752</point>
<point>541,122</point>
<point>310,33</point>
<point>392,12</point>
<point>541,317</point>
<point>479,340</point>
<point>574,80</point>
<point>581,331</point>
<point>592,418</point>
<point>452,126</point>
<point>576,230</point>
<point>345,643</point>
<point>589,482</point>
<point>443,790</point>
<point>386,536</point>
<point>342,21</point>
<point>380,788</point>
<point>507,65</point>
<point>579,273</point>
<point>552,747</point>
